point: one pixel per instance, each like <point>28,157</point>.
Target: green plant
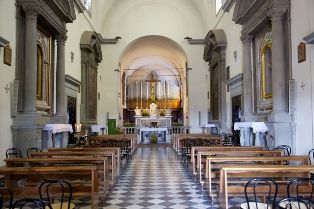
<point>153,138</point>
<point>162,112</point>
<point>177,124</point>
<point>145,112</point>
<point>128,124</point>
<point>117,131</point>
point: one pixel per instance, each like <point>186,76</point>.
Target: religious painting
<point>44,72</point>
<point>266,67</point>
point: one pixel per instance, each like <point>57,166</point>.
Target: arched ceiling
<point>105,8</point>
<point>153,54</point>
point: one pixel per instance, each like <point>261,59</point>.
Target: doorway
<point>236,117</point>
<point>71,110</point>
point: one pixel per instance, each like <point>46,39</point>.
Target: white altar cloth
<point>57,128</point>
<point>97,128</point>
<point>256,126</point>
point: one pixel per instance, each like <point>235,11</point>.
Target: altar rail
<point>171,130</point>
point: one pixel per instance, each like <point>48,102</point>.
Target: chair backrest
<point>32,149</point>
<point>311,156</point>
<point>13,153</point>
<point>260,187</point>
<point>56,191</point>
<point>6,196</point>
<point>285,148</point>
<point>301,188</point>
<point>292,203</point>
<point>31,203</point>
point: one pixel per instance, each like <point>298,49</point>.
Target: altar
<point>153,125</point>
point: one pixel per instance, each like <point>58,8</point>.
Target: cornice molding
<point>79,6</point>
<point>235,79</point>
<point>309,38</point>
<point>227,5</point>
<point>3,42</point>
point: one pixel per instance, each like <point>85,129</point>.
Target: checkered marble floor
<point>156,179</point>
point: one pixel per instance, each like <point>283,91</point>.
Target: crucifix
<point>153,82</point>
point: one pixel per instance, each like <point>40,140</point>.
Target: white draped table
<point>55,135</point>
<point>249,128</point>
<point>98,129</point>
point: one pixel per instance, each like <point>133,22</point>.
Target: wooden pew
<point>97,141</point>
<point>116,161</point>
<point>281,172</point>
<point>233,153</point>
<point>105,153</point>
<point>176,138</point>
<point>219,162</point>
<point>100,162</point>
<point>195,150</point>
<point>84,179</point>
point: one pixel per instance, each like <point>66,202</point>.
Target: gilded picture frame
<point>266,52</point>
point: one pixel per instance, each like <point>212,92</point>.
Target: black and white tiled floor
<point>155,179</point>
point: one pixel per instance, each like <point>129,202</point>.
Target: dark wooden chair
<point>58,193</point>
<point>13,153</point>
<point>6,197</point>
<point>31,203</point>
<point>259,189</point>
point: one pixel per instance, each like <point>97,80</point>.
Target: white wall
<point>302,25</point>
<point>7,74</point>
<point>82,23</point>
<point>134,19</point>
<point>223,20</point>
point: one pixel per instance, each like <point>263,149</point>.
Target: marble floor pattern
<point>156,179</point>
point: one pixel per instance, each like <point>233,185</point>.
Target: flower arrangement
<point>145,112</point>
<point>162,112</point>
<point>152,99</point>
<point>153,138</point>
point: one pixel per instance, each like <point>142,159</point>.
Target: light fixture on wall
<point>109,40</point>
<point>195,41</point>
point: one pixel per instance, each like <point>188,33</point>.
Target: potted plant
<point>153,138</point>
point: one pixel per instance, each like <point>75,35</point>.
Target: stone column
<point>247,77</point>
<point>30,63</point>
<point>60,77</point>
<point>278,61</point>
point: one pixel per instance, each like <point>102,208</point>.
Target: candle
<point>159,89</point>
<point>141,95</point>
<point>147,91</point>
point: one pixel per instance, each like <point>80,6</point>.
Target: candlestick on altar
<point>141,95</point>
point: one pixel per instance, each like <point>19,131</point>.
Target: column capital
<point>276,14</point>
<point>31,11</point>
<point>245,38</point>
<point>61,39</point>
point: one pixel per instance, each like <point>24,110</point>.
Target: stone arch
<point>215,55</point>
<point>91,56</point>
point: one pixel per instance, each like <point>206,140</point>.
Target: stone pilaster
<point>60,76</point>
<point>278,66</point>
<point>247,78</point>
<point>30,63</point>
